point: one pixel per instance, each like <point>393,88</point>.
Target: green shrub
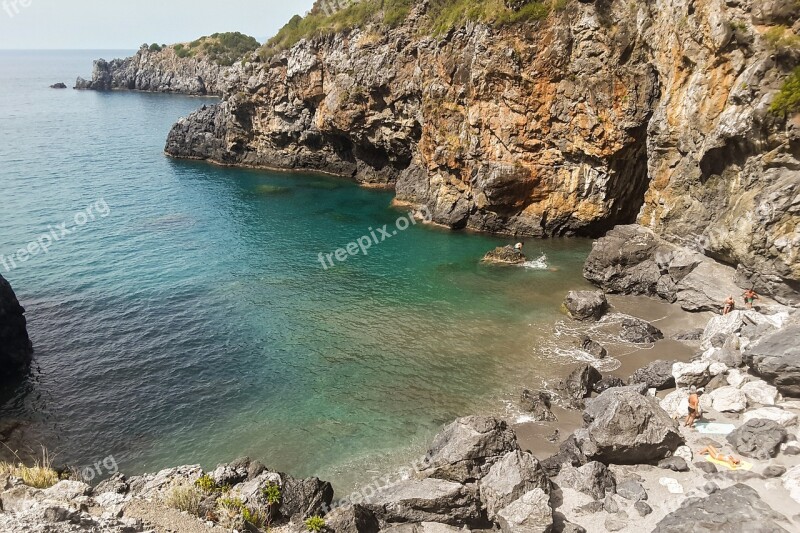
<point>207,484</point>
<point>315,524</point>
<point>185,497</point>
<point>155,47</point>
<point>255,517</point>
<point>272,493</point>
<point>788,99</point>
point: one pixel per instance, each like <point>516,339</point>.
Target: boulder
<point>657,375</point>
<point>304,497</point>
<point>729,325</point>
<point>758,438</point>
<point>427,500</point>
<point>705,466</point>
<point>505,255</point>
<point>231,473</point>
<point>608,382</point>
<point>538,405</point>
<point>717,382</point>
<point>639,331</point>
<point>352,519</point>
<point>642,508</point>
<point>773,471</point>
<point>632,490</point>
<point>465,449</point>
<point>737,378</point>
<point>676,464</point>
<point>569,453</point>
<point>791,482</point>
<point>690,335</point>
<point>688,374</point>
<point>676,403</point>
<point>594,479</point>
<point>424,527</point>
<point>737,508</point>
<point>586,305</point>
<point>775,414</point>
<point>616,522</point>
<point>514,475</point>
<point>625,427</point>
<point>59,85</point>
<point>15,346</point>
<point>728,400</point>
<point>593,348</point>
<point>776,358</point>
<point>581,381</point>
<point>529,514</point>
<point>760,392</point>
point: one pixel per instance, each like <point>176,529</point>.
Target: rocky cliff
<point>601,113</point>
<point>15,346</point>
<point>162,71</point>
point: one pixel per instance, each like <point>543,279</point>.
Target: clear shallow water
<point>194,323</point>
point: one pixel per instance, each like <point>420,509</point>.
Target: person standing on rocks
<point>728,306</point>
<point>750,297</point>
<point>694,407</point>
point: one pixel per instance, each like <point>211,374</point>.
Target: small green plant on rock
<point>207,484</point>
<point>788,99</point>
<point>315,524</point>
<point>185,497</point>
<point>255,517</point>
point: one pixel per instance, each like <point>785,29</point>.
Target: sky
<point>126,24</point>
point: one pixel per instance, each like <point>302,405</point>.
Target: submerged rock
<point>593,348</point>
<point>15,345</point>
<point>581,382</point>
<point>640,331</point>
<point>586,305</point>
<point>505,255</point>
<point>538,405</point>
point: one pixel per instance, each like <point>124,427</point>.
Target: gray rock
<point>642,508</point>
<point>352,519</point>
<point>593,348</point>
<point>639,331</point>
<point>529,514</point>
<point>632,490</point>
<point>737,508</point>
<point>591,508</point>
<point>59,85</point>
<point>691,335</point>
<point>776,358</point>
<point>610,504</point>
<point>594,479</point>
<point>581,381</point>
<point>569,527</point>
<point>505,255</point>
<point>616,522</point>
<point>625,427</point>
<point>424,527</point>
<point>608,382</point>
<point>15,345</point>
<point>705,466</point>
<point>305,497</point>
<point>586,305</point>
<point>569,453</point>
<point>657,375</point>
<point>538,405</point>
<point>514,475</point>
<point>676,464</point>
<point>710,487</point>
<point>232,473</point>
<point>774,471</point>
<point>758,438</point>
<point>466,449</point>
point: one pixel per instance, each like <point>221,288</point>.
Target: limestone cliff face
<point>160,71</point>
<point>15,346</point>
<point>606,112</point>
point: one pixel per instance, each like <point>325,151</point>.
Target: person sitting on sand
<point>694,407</point>
<point>730,303</point>
<point>750,297</point>
<point>714,454</point>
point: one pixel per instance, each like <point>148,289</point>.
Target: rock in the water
<point>586,305</point>
<point>760,392</point>
<point>538,405</point>
<point>776,358</point>
<point>593,348</point>
<point>691,335</point>
<point>59,85</point>
<point>728,400</point>
<point>776,414</point>
<point>529,514</point>
<point>467,448</point>
<point>676,464</point>
<point>514,475</point>
<point>640,331</point>
<point>688,374</point>
<point>581,381</point>
<point>624,427</point>
<point>594,479</point>
<point>15,346</point>
<point>505,255</point>
<point>632,490</point>
<point>758,438</point>
<point>608,382</point>
<point>657,375</point>
<point>352,519</point>
<point>737,508</point>
<point>427,500</point>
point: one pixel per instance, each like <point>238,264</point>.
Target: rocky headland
<point>15,346</point>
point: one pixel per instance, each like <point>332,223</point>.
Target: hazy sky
<point>125,24</point>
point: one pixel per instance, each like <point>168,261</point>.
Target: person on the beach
<point>714,454</point>
<point>750,297</point>
<point>694,407</point>
<point>730,303</point>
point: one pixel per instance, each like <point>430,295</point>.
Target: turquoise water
<point>190,320</point>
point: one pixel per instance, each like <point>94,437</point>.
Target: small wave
<point>537,264</point>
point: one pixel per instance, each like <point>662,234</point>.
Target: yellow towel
<point>744,465</point>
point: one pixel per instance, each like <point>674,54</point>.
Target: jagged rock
<point>691,335</point>
<point>15,346</point>
<point>593,348</point>
<point>538,405</point>
<point>719,381</point>
<point>758,438</point>
<point>642,508</point>
<point>657,375</point>
<point>569,527</point>
<point>606,383</point>
<point>581,381</point>
<point>505,255</point>
<point>737,378</point>
<point>424,527</point>
<point>515,474</point>
<point>610,504</point>
<point>467,448</point>
<point>728,400</point>
<point>305,497</point>
<point>775,414</point>
<point>760,393</point>
<point>737,508</point>
<point>529,514</point>
<point>676,403</point>
<point>724,327</point>
<point>569,453</point>
<point>352,519</point>
<point>594,479</point>
<point>586,305</point>
<point>625,427</point>
<point>59,85</point>
<point>231,473</point>
<point>676,464</point>
<point>688,374</point>
<point>427,500</point>
<point>632,490</point>
<point>776,358</point>
<point>640,331</point>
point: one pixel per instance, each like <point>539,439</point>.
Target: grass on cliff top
<point>41,475</point>
<point>221,48</point>
<point>788,100</point>
<point>442,16</point>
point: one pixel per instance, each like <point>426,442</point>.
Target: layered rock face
<point>604,113</point>
<point>15,346</point>
<point>156,71</point>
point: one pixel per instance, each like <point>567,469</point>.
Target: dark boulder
<point>538,405</point>
<point>352,519</point>
<point>632,490</point>
<point>305,497</point>
<point>586,305</point>
<point>676,464</point>
<point>505,255</point>
<point>758,438</point>
<point>594,479</point>
<point>640,331</point>
<point>15,345</point>
<point>59,85</point>
<point>593,348</point>
<point>581,382</point>
<point>569,453</point>
<point>656,375</point>
<point>608,382</point>
<point>776,358</point>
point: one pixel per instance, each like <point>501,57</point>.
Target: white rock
<point>760,392</point>
<point>728,400</point>
<point>529,514</point>
<point>736,378</point>
<point>715,369</point>
<point>671,484</point>
<point>735,321</point>
<point>676,403</point>
<point>685,453</point>
<point>687,374</point>
<point>776,414</point>
<point>791,482</point>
